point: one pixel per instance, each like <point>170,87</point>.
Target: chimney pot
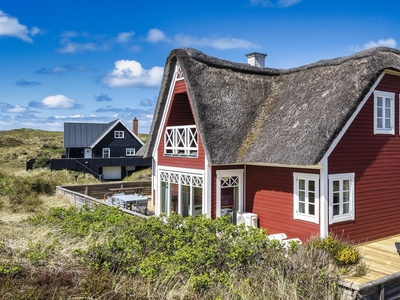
<point>256,59</point>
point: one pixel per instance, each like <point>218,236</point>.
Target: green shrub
<point>341,251</point>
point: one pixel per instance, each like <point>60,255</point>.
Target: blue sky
<point>96,61</point>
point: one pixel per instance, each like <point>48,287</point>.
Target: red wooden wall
<point>180,114</point>
<point>269,194</point>
<point>375,160</point>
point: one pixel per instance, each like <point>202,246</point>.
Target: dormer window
<point>181,141</point>
<point>118,134</point>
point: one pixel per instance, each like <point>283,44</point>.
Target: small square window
<point>130,151</point>
<point>118,134</point>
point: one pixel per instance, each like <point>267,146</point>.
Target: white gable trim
<point>352,118</point>
<point>165,113</point>
<point>111,128</point>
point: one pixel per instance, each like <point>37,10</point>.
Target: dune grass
<point>49,250</point>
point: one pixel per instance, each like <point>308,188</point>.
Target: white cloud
<point>56,102</point>
<point>287,3</point>
<point>10,26</point>
<point>219,43</point>
<point>390,42</point>
<point>89,43</point>
<point>182,40</point>
<point>155,35</point>
<point>124,37</point>
<point>270,3</point>
<point>130,73</point>
<point>12,108</point>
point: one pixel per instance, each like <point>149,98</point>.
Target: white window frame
<point>305,216</point>
<point>130,151</point>
<point>119,134</point>
<point>229,173</point>
<point>106,153</point>
<point>384,96</point>
<point>193,180</point>
<point>342,217</point>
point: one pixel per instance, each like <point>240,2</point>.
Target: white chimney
<point>256,59</point>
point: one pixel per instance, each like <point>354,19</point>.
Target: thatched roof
<point>246,114</point>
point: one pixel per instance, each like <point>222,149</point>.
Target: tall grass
<point>104,254</point>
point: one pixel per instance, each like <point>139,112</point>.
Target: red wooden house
<point>307,151</point>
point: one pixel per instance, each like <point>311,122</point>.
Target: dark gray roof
<point>246,114</point>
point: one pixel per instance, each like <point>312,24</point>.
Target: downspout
<point>324,203</point>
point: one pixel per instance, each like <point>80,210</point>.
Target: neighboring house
<point>106,150</point>
<point>309,150</point>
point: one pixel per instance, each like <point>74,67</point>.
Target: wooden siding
<point>180,114</point>
<point>117,145</point>
<point>375,160</point>
<point>269,194</point>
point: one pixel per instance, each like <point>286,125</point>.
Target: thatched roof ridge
<point>246,114</point>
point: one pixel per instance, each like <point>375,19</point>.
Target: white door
<point>88,153</point>
<point>111,173</point>
<point>229,191</point>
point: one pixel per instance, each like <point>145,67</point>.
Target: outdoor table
<point>126,201</point>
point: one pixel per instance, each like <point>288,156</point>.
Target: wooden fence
<point>94,194</point>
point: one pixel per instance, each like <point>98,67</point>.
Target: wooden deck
<point>384,269</point>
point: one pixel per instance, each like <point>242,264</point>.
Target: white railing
<point>181,140</point>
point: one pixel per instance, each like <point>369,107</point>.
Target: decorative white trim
<point>342,217</point>
<point>384,96</point>
<point>164,116</point>
<point>182,177</point>
<point>306,216</point>
<point>181,141</point>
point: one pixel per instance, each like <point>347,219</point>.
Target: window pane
<point>302,184</point>
<point>302,196</point>
<point>311,209</point>
<point>346,185</point>
<point>346,197</point>
<point>174,197</point>
<point>346,208</point>
<point>302,207</point>
<point>164,197</point>
<point>387,112</point>
<point>379,112</point>
<point>197,201</point>
<point>311,185</point>
<point>185,201</point>
<point>336,185</point>
<point>336,210</point>
<point>387,123</point>
<point>379,101</point>
<point>387,102</point>
<point>311,197</point>
<point>379,123</point>
<point>336,198</point>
